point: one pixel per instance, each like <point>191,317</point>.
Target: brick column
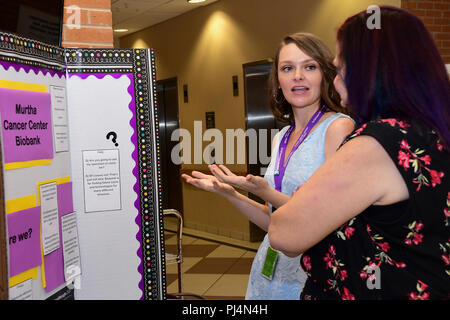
<point>87,24</point>
<point>435,14</point>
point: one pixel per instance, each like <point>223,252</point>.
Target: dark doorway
<point>167,95</point>
<point>258,116</point>
<point>39,20</point>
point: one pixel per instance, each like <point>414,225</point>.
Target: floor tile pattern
<point>210,269</point>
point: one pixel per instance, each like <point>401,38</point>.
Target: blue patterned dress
<point>289,278</point>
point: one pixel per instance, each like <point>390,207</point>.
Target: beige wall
<point>206,47</point>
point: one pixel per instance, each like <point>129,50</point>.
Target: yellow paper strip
<point>26,164</point>
<point>24,276</point>
<point>15,85</point>
<point>20,204</point>
<point>44,282</point>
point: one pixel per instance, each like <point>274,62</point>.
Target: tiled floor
<point>213,270</point>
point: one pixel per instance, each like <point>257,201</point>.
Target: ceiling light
<point>195,1</point>
<point>120,30</point>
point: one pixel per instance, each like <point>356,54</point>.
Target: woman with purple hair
<point>301,94</point>
<point>373,221</point>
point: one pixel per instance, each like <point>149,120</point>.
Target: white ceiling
<point>136,15</point>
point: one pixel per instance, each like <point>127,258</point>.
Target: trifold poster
<point>79,137</point>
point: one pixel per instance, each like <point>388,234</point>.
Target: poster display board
<point>81,175</point>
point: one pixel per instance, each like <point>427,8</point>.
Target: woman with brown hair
<point>302,94</point>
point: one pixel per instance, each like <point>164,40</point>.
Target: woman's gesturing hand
<point>208,183</point>
<point>254,184</point>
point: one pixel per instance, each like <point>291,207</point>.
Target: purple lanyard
<point>281,165</point>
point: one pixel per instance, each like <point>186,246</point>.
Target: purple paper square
<point>24,240</point>
<point>26,121</point>
<point>54,262</point>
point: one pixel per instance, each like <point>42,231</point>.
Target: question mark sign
<point>29,232</point>
<point>114,135</point>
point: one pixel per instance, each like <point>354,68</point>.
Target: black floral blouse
<point>398,251</point>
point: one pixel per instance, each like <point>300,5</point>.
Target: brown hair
<point>316,49</point>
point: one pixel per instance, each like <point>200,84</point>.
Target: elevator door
<point>258,117</point>
<point>167,95</point>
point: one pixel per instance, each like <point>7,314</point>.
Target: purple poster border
<point>27,68</point>
<point>139,66</point>
<point>134,155</point>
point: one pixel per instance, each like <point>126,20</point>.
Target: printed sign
<point>26,125</point>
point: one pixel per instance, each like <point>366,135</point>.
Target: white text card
<point>71,249</point>
<point>49,217</point>
<point>21,291</point>
<point>101,180</point>
<point>59,118</point>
